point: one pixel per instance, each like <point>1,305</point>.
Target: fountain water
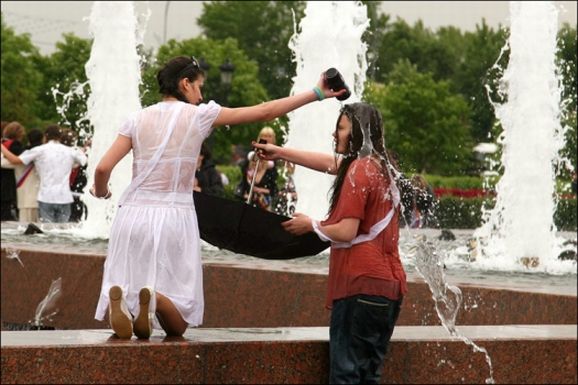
<point>113,71</point>
<point>311,127</point>
<point>521,224</point>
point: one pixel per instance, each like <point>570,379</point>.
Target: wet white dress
<point>154,239</point>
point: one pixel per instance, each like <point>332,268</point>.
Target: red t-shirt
<point>371,267</point>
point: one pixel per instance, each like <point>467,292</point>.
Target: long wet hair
<point>176,69</point>
<point>366,122</point>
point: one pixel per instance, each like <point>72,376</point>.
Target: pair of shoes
<point>143,324</point>
<point>118,314</point>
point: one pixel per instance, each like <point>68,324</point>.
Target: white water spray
<point>113,71</point>
<point>330,36</point>
<point>521,225</point>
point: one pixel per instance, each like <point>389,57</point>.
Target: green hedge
<point>463,213</point>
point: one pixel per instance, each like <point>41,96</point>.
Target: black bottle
<point>335,82</point>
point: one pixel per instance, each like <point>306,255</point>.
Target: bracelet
<point>319,93</point>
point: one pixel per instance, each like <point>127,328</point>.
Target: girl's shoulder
<point>367,165</point>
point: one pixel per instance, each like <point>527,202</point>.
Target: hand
<point>322,84</point>
<point>267,151</point>
<point>92,192</point>
<point>299,225</point>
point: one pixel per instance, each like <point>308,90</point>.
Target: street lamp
<point>204,65</point>
<point>165,24</point>
<point>227,69</point>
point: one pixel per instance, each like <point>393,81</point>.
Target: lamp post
<point>227,69</point>
<point>165,25</point>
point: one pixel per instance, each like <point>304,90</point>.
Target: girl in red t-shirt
<point>366,280</point>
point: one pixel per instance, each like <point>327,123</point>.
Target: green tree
<point>424,121</point>
<point>65,87</point>
<point>21,82</point>
<point>263,30</point>
<point>438,53</point>
<point>245,89</point>
<point>566,60</point>
<point>481,51</point>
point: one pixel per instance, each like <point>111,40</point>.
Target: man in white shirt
<point>53,162</point>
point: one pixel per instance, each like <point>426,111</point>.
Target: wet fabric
<point>372,267</point>
<point>154,239</point>
<point>360,331</point>
<point>244,229</point>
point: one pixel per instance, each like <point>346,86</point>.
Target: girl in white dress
<point>153,265</point>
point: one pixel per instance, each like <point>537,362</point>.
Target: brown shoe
<point>118,314</point>
<point>143,324</point>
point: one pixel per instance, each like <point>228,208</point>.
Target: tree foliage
<point>567,58</point>
<point>65,89</point>
<point>21,79</point>
<point>424,122</point>
<point>263,30</point>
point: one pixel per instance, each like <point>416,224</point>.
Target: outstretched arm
<point>314,160</point>
<point>118,150</point>
<point>273,109</point>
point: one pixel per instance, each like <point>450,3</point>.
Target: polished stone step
<point>418,354</point>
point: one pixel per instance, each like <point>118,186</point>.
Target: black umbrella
<point>244,229</point>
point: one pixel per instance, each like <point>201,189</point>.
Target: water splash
<point>340,26</point>
<point>447,298</point>
<point>14,254</point>
<point>113,72</point>
<point>521,224</point>
<point>48,303</point>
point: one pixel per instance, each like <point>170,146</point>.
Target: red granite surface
<point>237,296</point>
<point>417,355</point>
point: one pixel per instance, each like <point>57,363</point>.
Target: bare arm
<point>14,159</point>
<point>272,109</point>
<point>118,150</point>
<point>343,231</point>
<point>314,160</point>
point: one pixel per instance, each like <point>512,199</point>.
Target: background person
<point>423,202</point>
<point>54,162</point>
<point>207,179</point>
<point>27,181</point>
<point>265,187</point>
<point>12,136</point>
<point>78,180</point>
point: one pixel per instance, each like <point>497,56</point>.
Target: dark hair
<point>176,69</point>
<point>34,137</point>
<point>13,130</point>
<point>68,137</point>
<point>206,152</point>
<point>364,118</point>
<point>53,132</point>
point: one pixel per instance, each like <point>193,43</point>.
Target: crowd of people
<point>38,179</point>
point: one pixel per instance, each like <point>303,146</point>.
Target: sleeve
<point>207,114</point>
<point>29,155</point>
<point>353,197</point>
<point>127,128</point>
